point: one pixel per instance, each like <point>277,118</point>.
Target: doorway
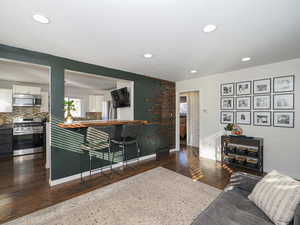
<point>24,118</point>
<point>189,118</point>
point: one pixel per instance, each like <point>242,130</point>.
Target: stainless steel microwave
<point>26,100</point>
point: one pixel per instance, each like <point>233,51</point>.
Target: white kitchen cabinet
<point>95,103</point>
<point>45,102</point>
<point>5,100</point>
<point>18,89</point>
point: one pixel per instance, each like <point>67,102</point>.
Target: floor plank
<point>24,181</point>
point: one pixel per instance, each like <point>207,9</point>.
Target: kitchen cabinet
<point>6,142</point>
<point>45,102</point>
<point>95,103</point>
<point>5,100</point>
<point>18,89</point>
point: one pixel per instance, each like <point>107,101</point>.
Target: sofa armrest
<point>244,181</point>
<point>297,216</point>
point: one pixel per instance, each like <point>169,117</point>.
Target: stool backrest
<point>130,130</point>
<point>98,134</point>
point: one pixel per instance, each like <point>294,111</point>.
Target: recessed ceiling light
<point>41,19</point>
<point>193,71</point>
<point>148,55</point>
<point>209,28</point>
<point>246,59</point>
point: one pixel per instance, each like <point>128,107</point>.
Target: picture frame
<point>261,102</point>
<point>227,103</point>
<point>227,89</point>
<point>262,86</point>
<point>262,118</point>
<point>284,84</point>
<point>243,88</point>
<point>284,101</point>
<point>243,103</point>
<point>226,117</point>
<point>243,117</point>
<point>284,119</point>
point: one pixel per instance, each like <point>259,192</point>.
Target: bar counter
<point>91,123</point>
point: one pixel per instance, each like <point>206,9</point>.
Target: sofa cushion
<point>243,181</point>
<point>278,196</point>
<point>232,208</point>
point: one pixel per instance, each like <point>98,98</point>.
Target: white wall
<point>282,149</point>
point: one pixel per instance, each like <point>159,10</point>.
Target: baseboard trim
<point>174,150</point>
<point>87,173</point>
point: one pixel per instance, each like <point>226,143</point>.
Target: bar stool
<point>97,144</point>
<point>129,136</point>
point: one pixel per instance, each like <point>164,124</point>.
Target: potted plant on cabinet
<point>228,129</point>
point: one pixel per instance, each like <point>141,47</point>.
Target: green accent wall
<point>65,157</point>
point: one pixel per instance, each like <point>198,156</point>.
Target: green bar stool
<point>129,136</point>
<point>97,144</point>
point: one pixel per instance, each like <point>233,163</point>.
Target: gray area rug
<point>156,197</point>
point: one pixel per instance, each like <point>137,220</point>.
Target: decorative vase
<point>69,118</point>
<point>237,130</point>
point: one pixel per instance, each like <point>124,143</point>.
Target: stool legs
<point>90,166</point>
<point>138,153</point>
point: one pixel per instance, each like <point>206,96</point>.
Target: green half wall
<point>65,154</point>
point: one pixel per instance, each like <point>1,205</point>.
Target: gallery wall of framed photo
<point>263,102</point>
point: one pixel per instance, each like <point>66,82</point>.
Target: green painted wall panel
<point>66,144</point>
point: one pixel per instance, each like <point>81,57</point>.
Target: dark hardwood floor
<point>24,181</point>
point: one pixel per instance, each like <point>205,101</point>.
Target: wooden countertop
<point>83,124</point>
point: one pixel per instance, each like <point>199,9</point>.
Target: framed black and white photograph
<point>243,88</point>
<point>283,101</point>
<point>227,89</point>
<point>227,103</point>
<point>262,118</point>
<point>284,84</point>
<point>243,103</point>
<point>227,117</point>
<point>283,119</point>
<point>262,86</point>
<point>243,117</point>
<point>261,102</point>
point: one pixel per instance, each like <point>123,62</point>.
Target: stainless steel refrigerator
<point>109,112</point>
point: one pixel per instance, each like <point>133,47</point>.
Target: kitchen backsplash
<point>29,112</point>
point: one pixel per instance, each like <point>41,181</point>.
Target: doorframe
<point>178,93</point>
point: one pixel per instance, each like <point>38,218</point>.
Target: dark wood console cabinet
<point>243,152</point>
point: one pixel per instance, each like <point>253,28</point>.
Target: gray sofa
<point>232,207</point>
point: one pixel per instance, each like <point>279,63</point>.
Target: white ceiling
<point>31,73</point>
<point>116,33</point>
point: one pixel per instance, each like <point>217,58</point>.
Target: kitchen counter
<point>91,123</point>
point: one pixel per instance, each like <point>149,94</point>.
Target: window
<point>78,104</point>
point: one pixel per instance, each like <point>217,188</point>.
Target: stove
<point>28,136</point>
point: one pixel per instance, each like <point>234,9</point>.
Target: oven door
<point>28,143</point>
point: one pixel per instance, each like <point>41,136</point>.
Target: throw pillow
<point>277,196</point>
